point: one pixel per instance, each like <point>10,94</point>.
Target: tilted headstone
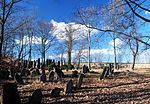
<point>36,97</point>
<point>69,87</point>
<point>56,92</point>
<point>79,82</point>
<point>43,78</point>
<point>104,73</point>
<point>59,72</point>
<point>9,94</point>
<point>18,79</point>
<point>51,76</point>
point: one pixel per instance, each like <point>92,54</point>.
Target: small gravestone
<point>27,72</point>
<point>12,72</point>
<point>38,64</point>
<point>85,69</point>
<point>69,87</point>
<point>79,82</point>
<point>51,76</point>
<point>74,73</point>
<point>9,94</point>
<point>43,78</point>
<point>59,72</point>
<point>36,97</point>
<point>56,92</point>
<point>104,73</point>
<point>35,72</point>
<point>23,72</point>
<point>18,79</point>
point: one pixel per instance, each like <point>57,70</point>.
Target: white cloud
<point>26,40</point>
<point>80,31</point>
<point>117,42</point>
<point>147,12</point>
<point>106,51</point>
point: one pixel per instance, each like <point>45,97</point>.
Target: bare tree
<point>44,38</point>
<point>6,10</point>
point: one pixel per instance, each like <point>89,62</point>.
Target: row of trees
<point>23,34</point>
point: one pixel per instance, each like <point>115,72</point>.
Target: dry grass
<point>130,88</point>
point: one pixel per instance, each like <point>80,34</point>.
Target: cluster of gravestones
<point>69,86</point>
<point>107,71</point>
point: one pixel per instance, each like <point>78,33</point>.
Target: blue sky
<point>62,10</point>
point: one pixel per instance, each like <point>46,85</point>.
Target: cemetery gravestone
<point>104,73</point>
<point>69,87</point>
<point>38,65</point>
<point>79,82</point>
<point>74,73</point>
<point>43,78</point>
<point>85,69</point>
<point>51,76</point>
<point>36,97</point>
<point>56,92</point>
<point>18,79</point>
<point>59,72</point>
<point>9,94</point>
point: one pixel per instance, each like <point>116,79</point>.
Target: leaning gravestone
<point>18,79</point>
<point>69,87</point>
<point>9,94</point>
<point>59,72</point>
<point>79,82</point>
<point>56,92</point>
<point>104,73</point>
<point>43,78</point>
<point>36,97</point>
<point>51,76</point>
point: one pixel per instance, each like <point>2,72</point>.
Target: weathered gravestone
<point>59,72</point>
<point>69,87</point>
<point>34,64</point>
<point>79,82</point>
<point>85,69</point>
<point>25,72</point>
<point>35,72</point>
<point>43,78</point>
<point>38,64</point>
<point>104,73</point>
<point>56,92</point>
<point>51,76</point>
<point>12,72</point>
<point>110,69</point>
<point>9,94</point>
<point>36,97</point>
<point>18,79</point>
<point>74,74</point>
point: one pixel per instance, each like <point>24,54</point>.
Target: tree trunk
<point>115,61</point>
<point>133,64</point>
<point>89,48</point>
